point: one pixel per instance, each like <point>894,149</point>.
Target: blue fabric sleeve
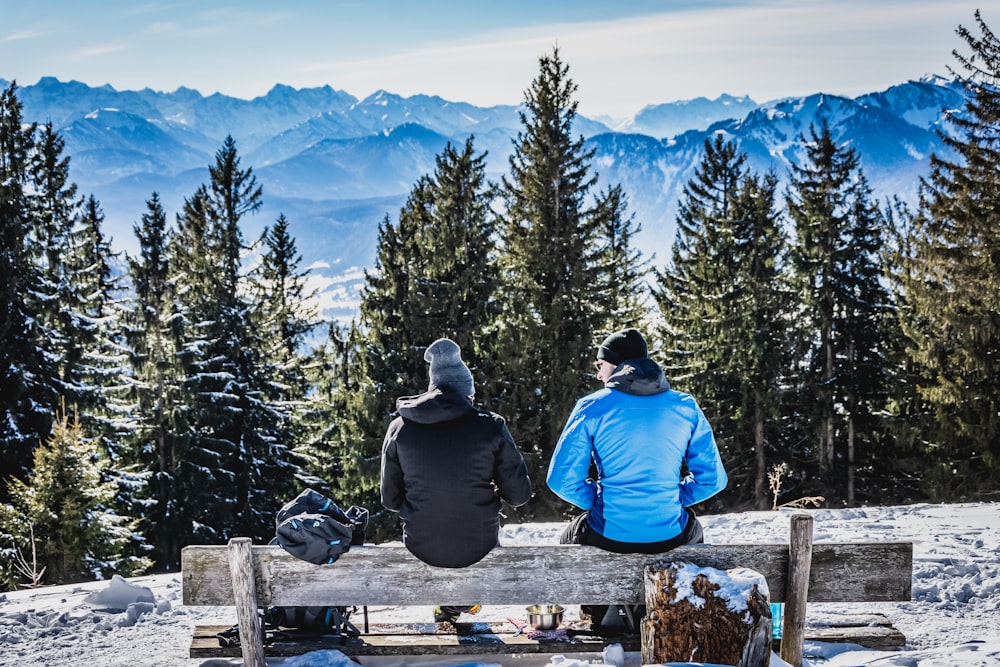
<point>570,465</point>
<point>707,476</point>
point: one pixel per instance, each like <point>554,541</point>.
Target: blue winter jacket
<point>639,433</point>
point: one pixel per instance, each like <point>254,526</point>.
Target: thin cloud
<point>20,36</point>
<point>163,28</point>
<point>765,49</point>
<point>102,50</point>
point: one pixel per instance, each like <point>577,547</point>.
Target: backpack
<point>318,620</point>
<point>311,527</point>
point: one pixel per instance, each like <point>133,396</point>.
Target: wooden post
<point>686,621</point>
<point>245,596</point>
<point>799,563</point>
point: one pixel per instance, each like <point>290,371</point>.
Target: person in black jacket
<point>446,466</point>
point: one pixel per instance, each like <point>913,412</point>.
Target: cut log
<point>706,615</point>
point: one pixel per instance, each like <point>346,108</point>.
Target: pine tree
<point>235,462</point>
<point>694,284</point>
<point>951,285</point>
<point>551,295</point>
<point>759,353</point>
<point>722,303</point>
<point>624,273</point>
<point>25,401</point>
<point>155,379</point>
<point>906,412</point>
<point>456,278</point>
<point>203,491</point>
<point>283,311</point>
<point>92,269</point>
<point>387,299</point>
<point>55,208</point>
<point>66,503</point>
<point>347,426</point>
<point>839,278</point>
<point>284,315</point>
<point>435,276</point>
<point>328,427</point>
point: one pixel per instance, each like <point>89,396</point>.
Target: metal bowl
<point>545,616</point>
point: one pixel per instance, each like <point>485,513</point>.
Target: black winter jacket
<point>445,467</point>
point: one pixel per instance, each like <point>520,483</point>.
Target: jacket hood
<point>639,377</point>
<point>434,406</point>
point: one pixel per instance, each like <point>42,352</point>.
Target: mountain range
<point>336,166</point>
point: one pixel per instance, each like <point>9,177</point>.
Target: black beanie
<point>622,346</point>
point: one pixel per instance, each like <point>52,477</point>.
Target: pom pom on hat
<point>447,368</point>
<point>622,346</point>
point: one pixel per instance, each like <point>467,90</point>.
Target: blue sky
<point>623,54</point>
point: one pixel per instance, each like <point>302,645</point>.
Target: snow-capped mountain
<point>672,118</point>
<point>336,165</point>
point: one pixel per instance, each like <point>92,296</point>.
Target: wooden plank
<point>205,644</point>
<point>876,637</point>
<point>873,631</point>
<point>821,620</point>
<point>384,575</point>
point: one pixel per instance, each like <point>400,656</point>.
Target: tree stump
<point>700,614</point>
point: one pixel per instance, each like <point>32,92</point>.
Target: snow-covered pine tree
<point>155,382</point>
<point>25,401</point>
<point>55,211</point>
<point>283,310</point>
<point>92,267</point>
<point>234,455</point>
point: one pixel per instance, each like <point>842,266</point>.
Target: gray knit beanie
<point>447,368</point>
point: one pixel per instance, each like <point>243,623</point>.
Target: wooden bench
<point>251,577</point>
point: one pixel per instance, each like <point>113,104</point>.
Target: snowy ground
<point>953,619</point>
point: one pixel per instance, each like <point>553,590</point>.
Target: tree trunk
<point>851,500</point>
<point>762,501</point>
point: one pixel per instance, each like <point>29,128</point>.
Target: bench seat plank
<point>873,631</point>
<point>409,641</point>
<point>877,637</point>
<point>567,574</point>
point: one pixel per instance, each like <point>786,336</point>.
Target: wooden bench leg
<point>245,594</point>
<point>799,563</point>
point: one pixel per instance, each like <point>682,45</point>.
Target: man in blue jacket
<point>654,452</point>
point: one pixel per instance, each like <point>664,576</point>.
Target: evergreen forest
<point>845,350</point>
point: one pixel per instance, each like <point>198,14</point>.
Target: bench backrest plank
<point>567,574</point>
